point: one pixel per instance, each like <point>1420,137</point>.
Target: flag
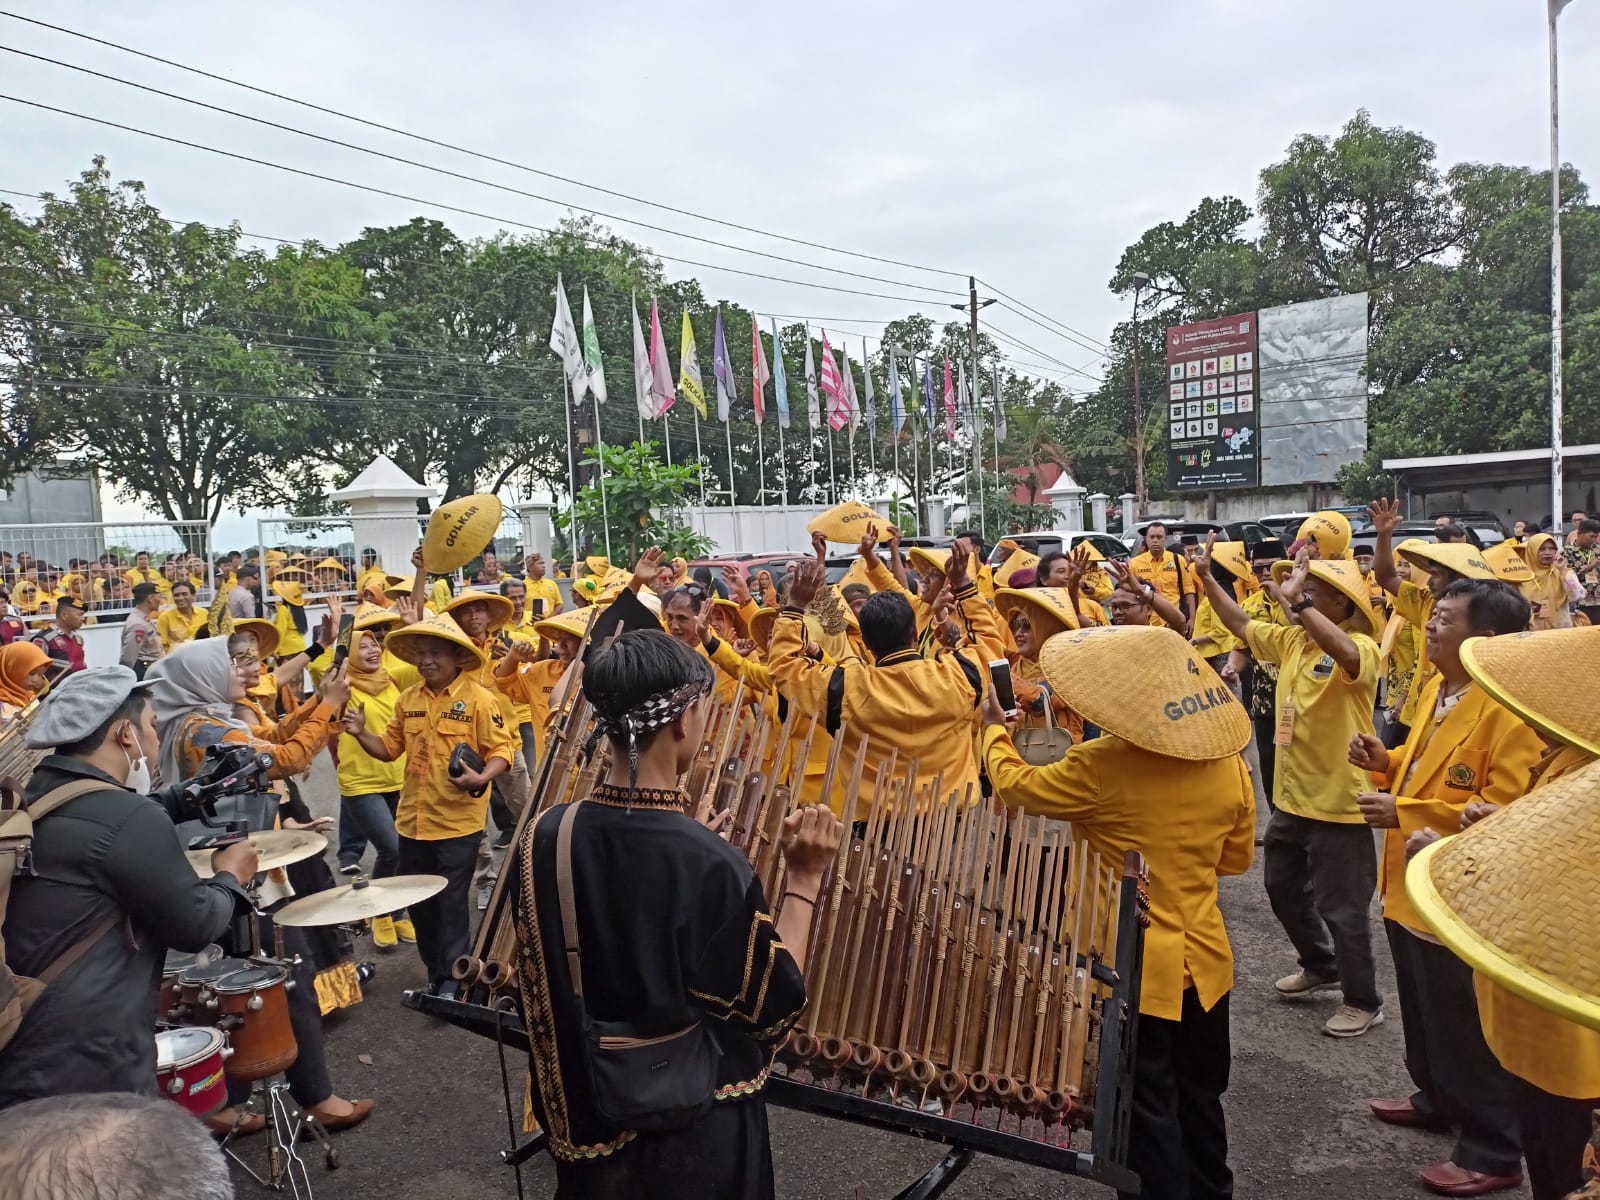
<point>593,368</point>
<point>564,341</point>
<point>811,384</point>
<point>930,399</point>
<point>999,408</point>
<point>760,376</point>
<point>866,379</point>
<point>641,368</point>
<point>690,382</point>
<point>949,402</point>
<point>660,369</point>
<point>964,397</point>
<point>780,385</point>
<point>847,392</point>
<point>722,372</point>
<point>897,407</point>
<point>838,414</point>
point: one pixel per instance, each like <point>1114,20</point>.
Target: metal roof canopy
<point>1454,472</point>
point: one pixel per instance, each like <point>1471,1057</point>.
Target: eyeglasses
<point>245,657</point>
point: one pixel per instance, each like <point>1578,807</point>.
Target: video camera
<point>229,770</point>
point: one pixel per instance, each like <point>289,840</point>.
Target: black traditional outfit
<point>672,920</point>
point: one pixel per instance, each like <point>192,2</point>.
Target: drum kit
<point>224,1019</point>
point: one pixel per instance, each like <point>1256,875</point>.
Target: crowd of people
<point>1155,703</point>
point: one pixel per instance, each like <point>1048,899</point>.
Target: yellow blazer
<point>1480,751</point>
<point>1192,821</point>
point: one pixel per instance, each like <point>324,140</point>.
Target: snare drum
<point>195,987</point>
<point>177,963</point>
<point>253,1005</point>
<point>189,1068</point>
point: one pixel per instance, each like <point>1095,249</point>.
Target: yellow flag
<point>690,386</point>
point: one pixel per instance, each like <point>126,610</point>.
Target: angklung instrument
<point>972,978</point>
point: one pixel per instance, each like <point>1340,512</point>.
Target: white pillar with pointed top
<point>383,512</point>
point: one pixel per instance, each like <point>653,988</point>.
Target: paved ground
<point>1297,1107</point>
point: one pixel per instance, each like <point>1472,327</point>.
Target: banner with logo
<point>1212,404</point>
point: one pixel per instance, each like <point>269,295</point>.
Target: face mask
<point>138,773</point>
<point>1366,568</point>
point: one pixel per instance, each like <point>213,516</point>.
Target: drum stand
<point>285,1123</point>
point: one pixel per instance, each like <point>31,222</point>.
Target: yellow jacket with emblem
<point>1479,751</point>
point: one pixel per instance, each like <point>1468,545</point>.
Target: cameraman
<point>108,893</point>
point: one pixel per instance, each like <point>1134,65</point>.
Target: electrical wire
<point>1007,296</point>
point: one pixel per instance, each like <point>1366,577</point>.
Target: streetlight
<point>1557,504</point>
<point>1140,281</point>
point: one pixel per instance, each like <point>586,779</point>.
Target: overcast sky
<point>1025,143</point>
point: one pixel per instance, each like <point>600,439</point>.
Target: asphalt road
<point>1297,1111</point>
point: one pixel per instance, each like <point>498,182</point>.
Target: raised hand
<point>869,541</point>
<point>956,570</point>
<point>1202,564</point>
<point>738,586</point>
<point>335,689</point>
<point>808,579</point>
<point>644,571</point>
<point>819,546</point>
<point>1368,753</point>
<point>1385,515</point>
<point>1294,584</point>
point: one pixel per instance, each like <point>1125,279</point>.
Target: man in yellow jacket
<point>1463,749</point>
<point>1170,727</point>
<point>925,709</point>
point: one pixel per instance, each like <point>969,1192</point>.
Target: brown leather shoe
<point>360,1110</point>
<point>243,1125</point>
<point>1448,1179</point>
<point>1403,1112</point>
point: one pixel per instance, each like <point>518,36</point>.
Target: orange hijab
<point>17,662</point>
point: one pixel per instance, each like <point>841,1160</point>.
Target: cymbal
<point>274,847</point>
<point>359,900</point>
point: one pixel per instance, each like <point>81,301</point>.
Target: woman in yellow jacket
<point>1169,727</point>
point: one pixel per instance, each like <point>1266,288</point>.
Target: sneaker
<point>1303,981</point>
<point>405,931</point>
<point>484,892</point>
<point>349,868</point>
<point>383,933</point>
<point>365,971</point>
<point>1351,1022</point>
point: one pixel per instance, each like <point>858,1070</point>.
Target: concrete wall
<point>750,529</point>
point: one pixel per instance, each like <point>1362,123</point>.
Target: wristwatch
<point>1301,604</point>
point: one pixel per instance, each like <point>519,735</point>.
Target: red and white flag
<point>833,388</point>
<point>760,373</point>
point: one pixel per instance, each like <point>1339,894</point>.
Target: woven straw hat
<point>266,634</point>
<point>1545,677</point>
<point>331,564</point>
<point>1048,608</point>
<point>761,626</point>
<point>1233,558</point>
<point>1513,895</point>
<point>395,586</point>
<point>845,522</point>
<point>1343,574</point>
<point>370,616</point>
<point>1507,563</point>
<point>1020,560</point>
<point>1329,530</point>
<point>458,531</point>
<point>1459,557</point>
<point>289,590</point>
<point>926,560</point>
<point>1148,686</point>
<point>1088,550</point>
<point>588,588</point>
<point>856,574</point>
<point>404,642</point>
<point>274,557</point>
<point>575,622</point>
<point>501,610</point>
<point>597,564</point>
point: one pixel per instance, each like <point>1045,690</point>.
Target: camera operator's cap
<point>847,522</point>
<point>1166,698</point>
<point>458,531</point>
<point>80,704</point>
<point>1507,563</point>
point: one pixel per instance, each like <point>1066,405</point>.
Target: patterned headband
<point>647,716</point>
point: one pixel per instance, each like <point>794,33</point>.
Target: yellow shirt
<point>1414,602</point>
<point>135,577</point>
<point>1313,777</point>
<point>522,712</point>
<point>1111,792</point>
<point>175,628</point>
<point>1476,750</point>
<point>531,689</point>
<point>440,594</point>
<point>544,589</point>
<point>403,673</point>
<point>1553,1054</point>
<point>290,640</point>
<point>427,726</point>
<point>1171,575</point>
<point>359,773</point>
<point>1211,637</point>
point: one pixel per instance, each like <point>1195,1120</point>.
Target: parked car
<point>1286,525</point>
<point>1048,540</point>
<point>1191,533</point>
<point>1425,530</point>
<point>1489,528</point>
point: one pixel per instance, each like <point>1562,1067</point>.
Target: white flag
<point>641,369</point>
<point>593,368</point>
<point>564,341</point>
<point>848,390</point>
<point>813,409</point>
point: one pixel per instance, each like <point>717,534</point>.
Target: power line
<point>1099,348</point>
<point>332,112</point>
<point>941,292</point>
<point>1007,296</point>
<point>365,187</point>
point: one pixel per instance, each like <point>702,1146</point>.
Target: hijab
<point>1548,585</point>
<point>370,682</point>
<point>17,662</point>
<point>194,678</point>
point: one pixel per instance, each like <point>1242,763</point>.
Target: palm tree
<point>1033,439</point>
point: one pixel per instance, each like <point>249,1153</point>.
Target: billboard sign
<point>1212,406</point>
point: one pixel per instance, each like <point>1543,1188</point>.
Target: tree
<point>641,507</point>
<point>137,341</point>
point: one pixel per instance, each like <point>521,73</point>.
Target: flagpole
<point>728,429</point>
<point>666,427</point>
<point>999,415</point>
<point>572,464</point>
<point>600,471</point>
<point>977,452</point>
<point>761,467</point>
<point>833,478</point>
<point>699,455</point>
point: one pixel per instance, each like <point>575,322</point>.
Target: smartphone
<point>1000,677</point>
<point>347,624</point>
<point>538,608</point>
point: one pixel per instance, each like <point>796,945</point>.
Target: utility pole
<point>1142,498</point>
<point>973,307</point>
<point>1557,501</point>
